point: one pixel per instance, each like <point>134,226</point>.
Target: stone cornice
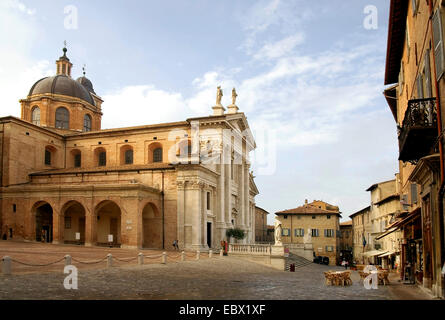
<point>61,98</point>
<point>29,188</point>
<point>31,126</point>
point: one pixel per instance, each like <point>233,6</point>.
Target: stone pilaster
<point>180,211</point>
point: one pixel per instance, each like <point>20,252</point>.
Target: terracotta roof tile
<point>306,210</point>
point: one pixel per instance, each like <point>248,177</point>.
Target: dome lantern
<point>63,64</point>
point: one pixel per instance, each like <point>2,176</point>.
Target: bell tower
<point>63,64</point>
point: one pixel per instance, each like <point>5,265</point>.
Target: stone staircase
<point>297,260</point>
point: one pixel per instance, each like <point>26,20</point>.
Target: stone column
<point>204,217</point>
<point>246,182</point>
<point>180,211</point>
<point>220,200</point>
<point>58,226</point>
<point>195,210</point>
<point>90,227</point>
<point>242,193</point>
<point>227,187</point>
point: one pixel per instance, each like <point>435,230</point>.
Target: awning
<point>373,253</point>
<point>400,223</point>
<point>386,233</point>
<point>387,254</point>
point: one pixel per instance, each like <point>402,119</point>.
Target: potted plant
<point>236,233</point>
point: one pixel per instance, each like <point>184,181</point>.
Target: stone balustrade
<point>250,249</point>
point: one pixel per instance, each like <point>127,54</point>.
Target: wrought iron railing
<point>417,128</point>
<point>420,113</point>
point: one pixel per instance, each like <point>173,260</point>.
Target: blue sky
<point>307,72</point>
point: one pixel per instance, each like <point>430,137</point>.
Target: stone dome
<point>86,83</point>
<point>64,85</point>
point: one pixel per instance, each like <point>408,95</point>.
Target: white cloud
<point>285,16</point>
<point>279,48</point>
<point>16,4</point>
<point>150,105</point>
<point>18,70</point>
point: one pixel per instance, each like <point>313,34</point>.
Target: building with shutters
<point>346,241</point>
<point>261,225</point>
<point>361,230</point>
<point>415,75</point>
<point>322,225</point>
<point>384,209</point>
<point>64,179</point>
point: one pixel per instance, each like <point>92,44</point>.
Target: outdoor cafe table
<point>338,277</point>
<point>381,274</point>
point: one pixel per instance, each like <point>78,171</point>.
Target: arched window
<point>102,159</point>
<point>157,155</point>
<point>87,123</point>
<point>76,158</point>
<point>129,156</point>
<point>35,116</point>
<point>47,157</point>
<point>49,154</point>
<point>62,118</point>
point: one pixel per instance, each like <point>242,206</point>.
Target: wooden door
<point>427,238</point>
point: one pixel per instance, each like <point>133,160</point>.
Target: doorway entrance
<point>44,223</point>
<point>209,234</point>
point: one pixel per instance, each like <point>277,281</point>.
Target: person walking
<point>175,244</point>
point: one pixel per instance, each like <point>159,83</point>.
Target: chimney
<point>305,202</point>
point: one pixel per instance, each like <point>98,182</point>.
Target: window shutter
<point>325,232</point>
<point>302,232</point>
<point>427,75</point>
<point>438,43</point>
<point>413,193</point>
<point>401,79</point>
<point>407,42</point>
<point>419,87</point>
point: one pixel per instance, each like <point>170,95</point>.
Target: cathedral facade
<point>65,180</point>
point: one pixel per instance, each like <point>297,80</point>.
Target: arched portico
<point>73,222</point>
<point>108,222</point>
<point>151,227</point>
<point>43,219</point>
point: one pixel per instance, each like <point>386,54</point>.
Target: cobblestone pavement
<point>43,253</point>
<point>219,278</point>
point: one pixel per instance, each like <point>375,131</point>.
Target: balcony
<point>418,133</point>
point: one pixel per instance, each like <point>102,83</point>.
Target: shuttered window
<point>438,43</point>
<point>413,193</point>
<point>427,75</point>
<point>329,233</point>
<point>401,79</point>
<point>419,82</point>
<point>299,232</point>
<point>285,232</point>
<point>315,232</point>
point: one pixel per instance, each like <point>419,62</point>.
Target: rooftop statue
<point>219,95</point>
<point>234,95</point>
